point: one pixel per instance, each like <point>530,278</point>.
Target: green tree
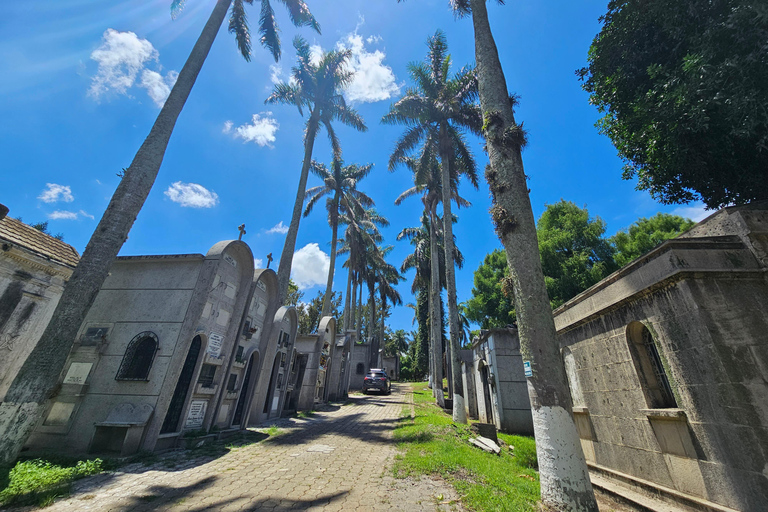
<point>43,228</point>
<point>316,86</point>
<point>340,184</point>
<point>310,313</point>
<point>489,305</point>
<point>38,377</point>
<point>683,86</point>
<point>396,342</point>
<point>645,234</point>
<point>574,254</point>
<point>294,295</point>
<point>442,108</point>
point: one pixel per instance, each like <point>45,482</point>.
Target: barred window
<point>138,357</point>
<point>649,367</point>
<point>360,369</point>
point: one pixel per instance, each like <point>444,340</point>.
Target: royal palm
<point>340,184</point>
<point>316,87</point>
<point>441,108</point>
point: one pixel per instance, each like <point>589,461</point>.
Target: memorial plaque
<point>77,373</point>
<point>215,341</point>
<point>229,259</point>
<point>196,414</point>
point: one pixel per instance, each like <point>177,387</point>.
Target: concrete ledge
<point>646,495</point>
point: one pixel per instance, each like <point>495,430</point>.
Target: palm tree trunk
<point>347,303</point>
<point>329,285</point>
<point>565,484</point>
<point>372,325</point>
<point>459,412</point>
<point>286,257</point>
<point>434,315</point>
<point>381,327</point>
<point>359,321</point>
<point>25,400</point>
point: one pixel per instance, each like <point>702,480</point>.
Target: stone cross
<point>269,259</point>
<point>241,228</point>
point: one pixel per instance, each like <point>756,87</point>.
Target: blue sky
<point>81,83</point>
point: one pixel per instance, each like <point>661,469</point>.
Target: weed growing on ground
<point>431,443</point>
<point>273,430</point>
<point>40,482</point>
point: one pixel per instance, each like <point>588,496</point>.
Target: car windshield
<point>377,374</point>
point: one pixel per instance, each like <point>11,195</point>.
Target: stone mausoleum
<point>173,345</point>
<point>667,362</point>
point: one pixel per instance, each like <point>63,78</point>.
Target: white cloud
<point>310,266</point>
<point>62,215</point>
<point>373,39</point>
<point>157,86</point>
<point>86,214</point>
<point>695,212</point>
<point>275,73</point>
<point>315,54</point>
<point>192,195</point>
<point>278,228</point>
<point>121,58</point>
<point>258,262</point>
<point>54,192</point>
<point>261,130</point>
<point>373,81</point>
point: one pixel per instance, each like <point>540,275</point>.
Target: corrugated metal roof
<point>18,233</point>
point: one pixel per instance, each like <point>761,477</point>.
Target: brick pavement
<point>337,459</point>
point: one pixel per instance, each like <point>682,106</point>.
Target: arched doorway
<point>172,417</point>
<point>238,417</point>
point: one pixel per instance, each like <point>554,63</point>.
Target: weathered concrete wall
<point>703,299</point>
<point>501,390</point>
<point>309,344</point>
<point>392,366</point>
<point>359,355</point>
<point>30,288</point>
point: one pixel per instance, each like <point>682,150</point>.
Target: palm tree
<point>33,385</point>
<point>317,87</point>
<point>388,278</point>
<point>565,483</point>
<point>341,184</point>
<point>441,108</point>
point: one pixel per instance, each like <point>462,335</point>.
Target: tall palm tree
<point>565,483</point>
<point>316,86</point>
<point>340,183</point>
<point>33,385</point>
<point>388,278</point>
<point>442,108</point>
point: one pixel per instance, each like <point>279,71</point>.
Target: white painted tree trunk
<point>25,400</point>
<point>565,484</point>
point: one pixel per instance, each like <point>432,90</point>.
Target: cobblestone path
<point>336,459</point>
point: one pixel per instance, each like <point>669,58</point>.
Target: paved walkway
<point>337,459</point>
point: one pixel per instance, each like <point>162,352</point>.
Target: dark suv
<point>377,379</point>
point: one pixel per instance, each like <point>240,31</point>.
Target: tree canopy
<point>645,234</point>
<point>683,86</point>
<point>574,254</point>
<point>490,306</point>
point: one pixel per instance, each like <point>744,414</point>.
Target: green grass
<point>39,482</point>
<point>431,444</point>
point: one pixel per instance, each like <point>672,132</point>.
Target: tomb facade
<point>173,345</point>
<point>33,270</point>
<point>667,362</point>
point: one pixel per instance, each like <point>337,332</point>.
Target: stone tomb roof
<point>22,235</point>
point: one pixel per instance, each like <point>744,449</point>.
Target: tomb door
<point>301,364</point>
<point>486,376</point>
<point>238,417</point>
<point>272,382</point>
<point>172,417</point>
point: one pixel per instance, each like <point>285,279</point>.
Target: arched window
<point>360,368</point>
<point>650,370</point>
<point>138,357</point>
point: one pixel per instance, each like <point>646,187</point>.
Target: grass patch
<point>305,414</point>
<point>431,444</point>
<point>39,481</point>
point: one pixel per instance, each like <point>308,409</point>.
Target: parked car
<point>377,379</point>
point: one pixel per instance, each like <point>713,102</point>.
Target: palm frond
<point>176,7</point>
<point>269,37</point>
<point>238,25</point>
<point>300,15</point>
